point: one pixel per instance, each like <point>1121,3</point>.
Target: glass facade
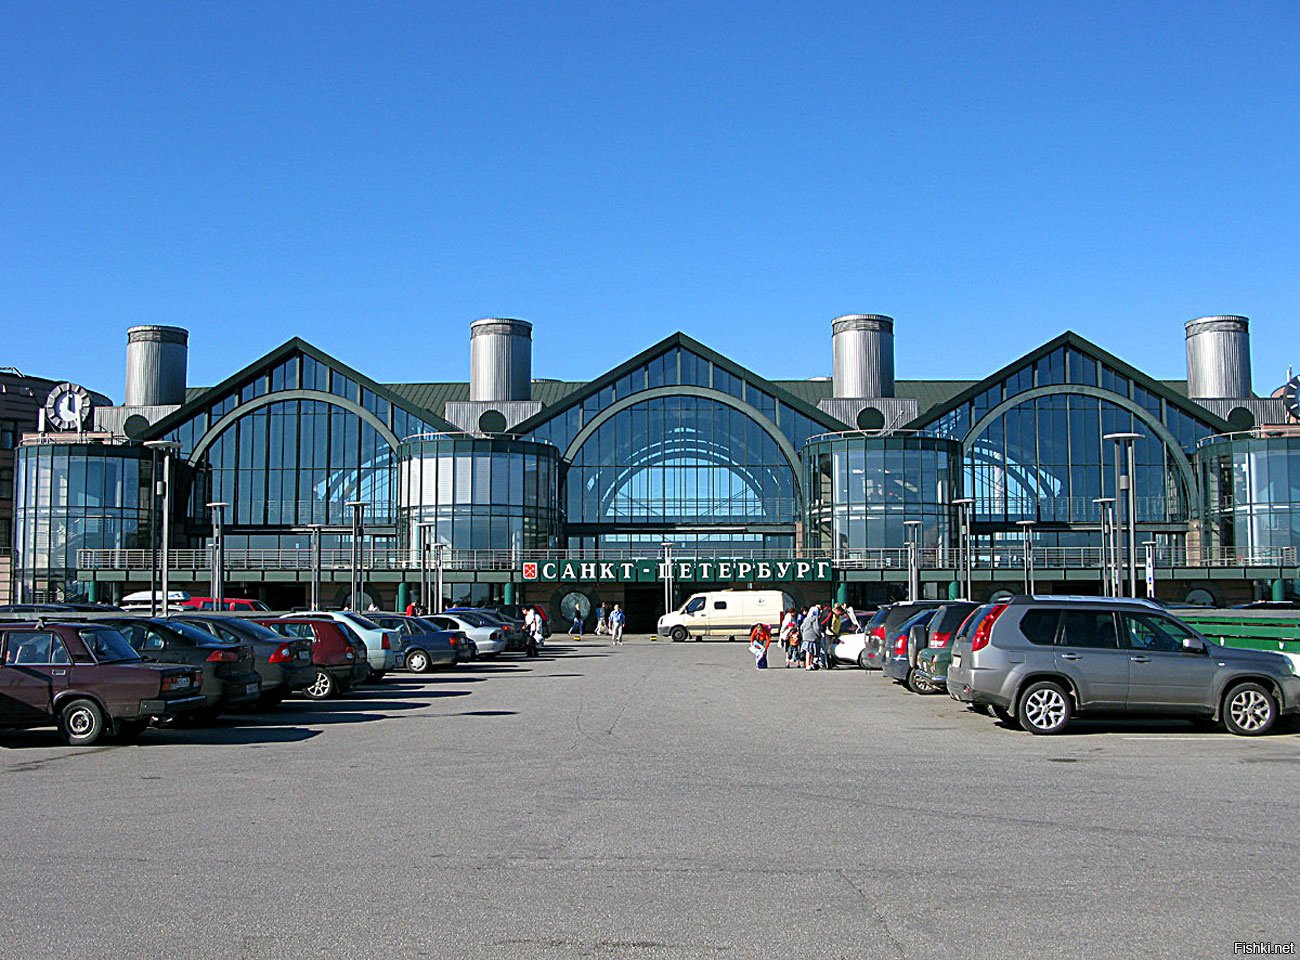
<point>673,462</point>
<point>298,461</point>
<point>70,497</point>
<point>1251,488</point>
<point>1044,459</point>
<point>862,489</point>
<point>480,494</point>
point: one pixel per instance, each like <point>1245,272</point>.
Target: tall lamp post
<point>1027,534</point>
<point>1125,459</point>
<point>423,539</point>
<point>913,560</point>
<point>218,509</point>
<point>1107,575</point>
<point>163,489</point>
<point>668,575</point>
<point>358,532</point>
<point>965,506</point>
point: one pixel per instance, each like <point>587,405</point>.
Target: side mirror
<point>1193,645</point>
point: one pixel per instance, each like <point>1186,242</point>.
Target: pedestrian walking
<point>617,618</point>
<point>760,638</point>
<point>810,631</point>
<point>600,620</point>
<point>789,637</point>
<point>575,630</point>
<point>532,632</point>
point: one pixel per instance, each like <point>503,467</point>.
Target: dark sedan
<point>423,645</point>
<point>229,679</point>
<point>86,680</point>
<point>284,664</point>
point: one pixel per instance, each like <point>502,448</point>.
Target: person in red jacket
<point>760,638</point>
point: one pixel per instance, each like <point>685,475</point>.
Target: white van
<point>142,600</point>
<point>725,614</point>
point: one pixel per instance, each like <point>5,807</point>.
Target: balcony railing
<point>998,558</point>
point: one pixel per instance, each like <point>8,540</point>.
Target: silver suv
<point>1040,660</point>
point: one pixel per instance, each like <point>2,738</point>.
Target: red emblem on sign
<point>530,571</point>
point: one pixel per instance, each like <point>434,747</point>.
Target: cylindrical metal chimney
<point>156,361</point>
<point>1218,358</point>
<point>864,355</point>
<point>500,359</point>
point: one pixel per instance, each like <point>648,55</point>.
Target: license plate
<point>956,661</point>
<point>253,688</point>
<point>304,655</point>
<point>182,683</point>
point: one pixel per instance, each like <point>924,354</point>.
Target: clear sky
<point>374,176</point>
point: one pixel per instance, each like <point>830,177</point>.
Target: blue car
<point>897,664</point>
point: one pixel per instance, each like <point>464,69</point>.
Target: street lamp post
<point>965,506</point>
<point>668,575</point>
<point>422,539</point>
<point>913,560</point>
<point>314,530</point>
<point>1124,482</point>
<point>358,532</point>
<point>1107,578</point>
<point>1027,531</point>
<point>168,447</point>
<point>438,562</point>
<point>218,509</point>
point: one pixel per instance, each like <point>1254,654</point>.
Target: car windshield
<point>473,619</point>
<point>107,645</point>
<point>365,623</point>
<point>246,628</point>
<point>191,633</point>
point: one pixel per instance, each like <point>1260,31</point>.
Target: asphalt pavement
<point>656,800</point>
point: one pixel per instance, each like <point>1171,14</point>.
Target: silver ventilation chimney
<point>156,362</point>
<point>500,359</point>
<point>864,355</point>
<point>1218,358</point>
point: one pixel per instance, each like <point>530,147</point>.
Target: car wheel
<point>322,687</point>
<point>128,731</point>
<point>678,634</point>
<point>417,661</point>
<point>917,683</point>
<point>1044,708</point>
<point>864,661</point>
<point>1249,710</point>
<point>81,722</point>
<point>1001,713</point>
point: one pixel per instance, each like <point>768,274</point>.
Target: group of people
<point>608,621</point>
<point>807,637</point>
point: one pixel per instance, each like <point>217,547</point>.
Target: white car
<point>382,646</point>
<point>848,648</point>
<point>489,639</point>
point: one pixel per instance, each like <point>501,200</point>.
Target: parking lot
<point>655,800</point>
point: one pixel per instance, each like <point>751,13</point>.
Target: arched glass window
<point>1045,460</point>
<point>681,460</point>
<point>297,462</point>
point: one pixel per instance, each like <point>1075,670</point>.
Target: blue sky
<point>375,176</point>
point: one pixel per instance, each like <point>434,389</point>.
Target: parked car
<point>284,665</point>
<point>932,662</point>
<point>852,641</point>
<point>488,637</point>
<point>383,647</point>
<point>466,649</point>
<point>511,629</point>
<point>423,645</point>
<point>885,622</point>
<point>337,655</point>
<point>232,604</point>
<point>936,634</point>
<point>229,678</point>
<point>1040,661</point>
<point>86,680</point>
<point>897,666</point>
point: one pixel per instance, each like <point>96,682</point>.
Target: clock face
<point>1291,397</point>
<point>67,407</point>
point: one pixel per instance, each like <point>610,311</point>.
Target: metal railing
<point>1010,557</point>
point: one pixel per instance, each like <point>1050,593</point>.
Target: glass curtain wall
<point>862,489</point>
<point>1251,488</point>
<point>669,463</point>
<point>480,494</point>
<point>70,497</point>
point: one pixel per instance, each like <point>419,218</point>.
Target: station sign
<point>794,570</point>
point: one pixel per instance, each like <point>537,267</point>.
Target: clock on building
<point>67,407</point>
<point>1291,397</point>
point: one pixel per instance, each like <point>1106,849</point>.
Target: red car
<point>88,681</point>
<point>233,604</point>
<point>340,660</point>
